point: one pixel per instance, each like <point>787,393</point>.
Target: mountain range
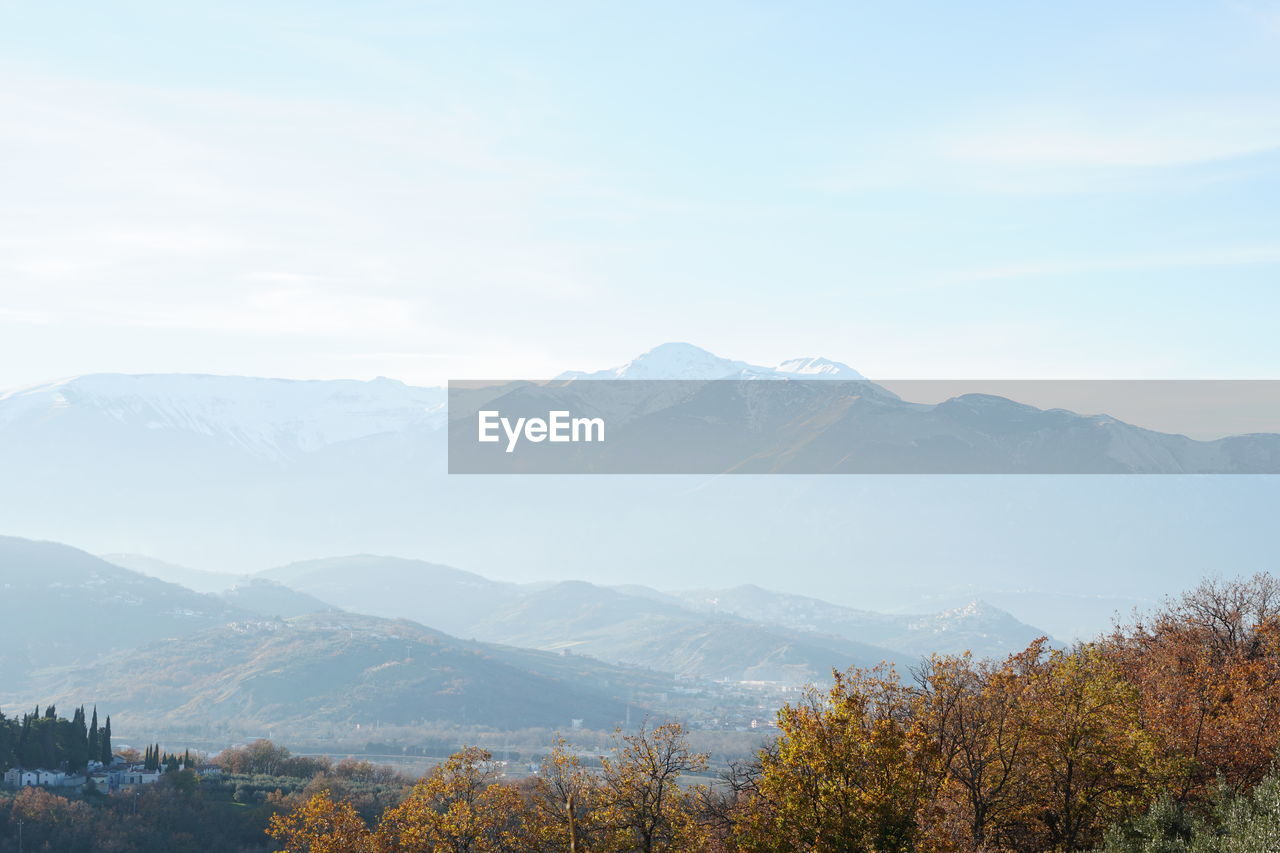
<point>827,427</point>
<point>741,634</point>
<point>235,474</point>
<point>262,655</point>
<point>85,630</point>
<point>281,419</point>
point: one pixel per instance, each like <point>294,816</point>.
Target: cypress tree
<point>32,753</point>
<point>106,742</point>
<point>73,741</point>
<point>8,739</point>
<point>95,752</point>
<point>24,737</point>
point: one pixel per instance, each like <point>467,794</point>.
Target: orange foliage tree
<point>321,825</point>
<point>1206,668</point>
<point>849,772</point>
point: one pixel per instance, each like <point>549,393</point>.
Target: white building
<point>138,777</point>
<point>19,778</point>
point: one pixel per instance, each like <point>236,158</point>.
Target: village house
<point>17,777</point>
<point>138,775</point>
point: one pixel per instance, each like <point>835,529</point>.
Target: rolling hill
<point>268,598</point>
<point>344,670</point>
<point>61,606</point>
<point>443,597</point>
<point>194,579</point>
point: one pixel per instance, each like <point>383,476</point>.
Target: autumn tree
<point>1207,670</point>
<point>269,759</point>
<point>321,825</point>
<point>728,808</point>
<point>567,804</point>
<point>461,807</point>
<point>1090,760</point>
<point>850,771</point>
<point>52,822</point>
<point>972,715</point>
<point>644,801</point>
<point>366,772</point>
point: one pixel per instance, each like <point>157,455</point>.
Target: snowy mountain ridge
<point>281,418</point>
<point>267,417</point>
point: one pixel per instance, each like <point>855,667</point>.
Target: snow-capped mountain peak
<point>668,361</point>
<point>686,361</point>
<point>818,368</point>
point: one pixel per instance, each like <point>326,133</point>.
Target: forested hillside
<point>1159,737</point>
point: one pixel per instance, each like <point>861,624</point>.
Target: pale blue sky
<point>435,190</point>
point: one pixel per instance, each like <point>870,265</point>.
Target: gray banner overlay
<point>762,426</point>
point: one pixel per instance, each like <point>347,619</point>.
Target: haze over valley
<point>291,557</point>
<point>238,475</point>
<point>318,647</point>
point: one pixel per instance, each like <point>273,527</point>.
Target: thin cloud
<point>1224,257</point>
<point>1066,148</point>
<point>1134,136</point>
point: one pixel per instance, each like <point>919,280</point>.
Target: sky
<point>444,190</point>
